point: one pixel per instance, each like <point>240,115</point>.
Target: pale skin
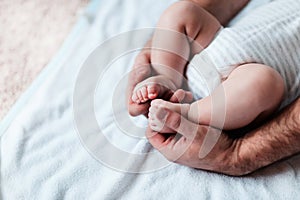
<point>251,92</point>
<point>276,139</point>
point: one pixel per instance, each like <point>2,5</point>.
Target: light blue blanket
<point>44,157</point>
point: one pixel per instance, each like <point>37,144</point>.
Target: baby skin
<point>249,94</point>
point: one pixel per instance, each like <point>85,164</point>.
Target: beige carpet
<point>31,32</point>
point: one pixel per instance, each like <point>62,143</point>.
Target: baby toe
<point>140,96</point>
<point>144,94</point>
<point>153,91</point>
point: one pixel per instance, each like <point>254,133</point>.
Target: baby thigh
<point>251,93</point>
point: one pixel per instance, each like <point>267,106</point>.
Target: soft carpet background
<point>31,32</point>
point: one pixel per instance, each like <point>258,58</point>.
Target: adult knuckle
<point>142,70</point>
<point>144,56</point>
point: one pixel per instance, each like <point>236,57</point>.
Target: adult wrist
<point>277,139</point>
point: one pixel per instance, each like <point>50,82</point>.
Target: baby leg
<point>183,30</point>
<point>251,93</point>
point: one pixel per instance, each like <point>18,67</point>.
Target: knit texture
<point>269,35</point>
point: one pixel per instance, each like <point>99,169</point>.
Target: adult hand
<point>277,139</point>
<point>190,150</point>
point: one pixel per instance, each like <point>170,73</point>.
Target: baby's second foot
<point>157,110</point>
<point>152,88</point>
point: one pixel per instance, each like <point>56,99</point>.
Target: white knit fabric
<point>269,35</point>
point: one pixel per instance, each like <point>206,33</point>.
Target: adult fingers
<point>178,123</point>
<point>170,146</point>
<point>207,137</point>
<point>157,140</point>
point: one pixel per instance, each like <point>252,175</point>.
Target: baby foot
<point>157,114</point>
<point>152,88</point>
